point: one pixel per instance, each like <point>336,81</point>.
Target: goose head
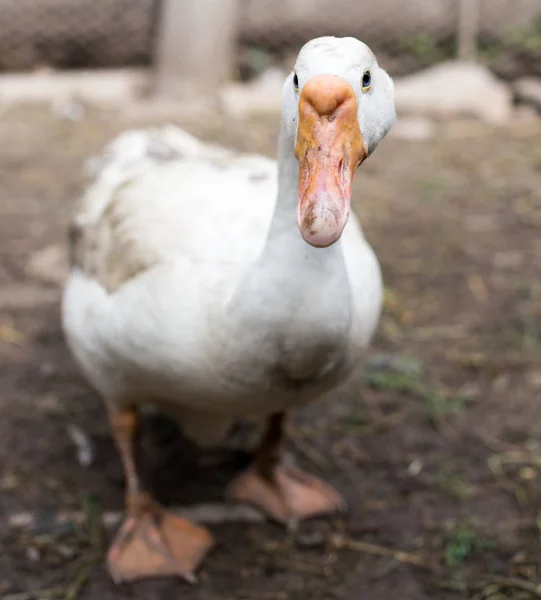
<point>337,105</point>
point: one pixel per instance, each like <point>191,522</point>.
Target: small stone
<point>49,404</point>
<point>455,88</point>
<point>415,467</point>
<point>83,445</point>
<point>33,554</point>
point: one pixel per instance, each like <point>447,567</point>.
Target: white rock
<point>528,91</point>
<point>110,86</point>
<point>414,128</point>
<point>262,95</point>
<point>82,443</point>
<point>455,88</point>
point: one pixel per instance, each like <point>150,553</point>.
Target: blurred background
<point>438,448</point>
<point>407,36</point>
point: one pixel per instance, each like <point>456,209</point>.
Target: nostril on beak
<point>326,94</point>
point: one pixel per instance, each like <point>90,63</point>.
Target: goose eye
<point>296,82</point>
<point>366,81</point>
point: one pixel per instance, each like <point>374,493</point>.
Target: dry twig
<point>208,513</point>
<point>518,584</point>
<point>375,549</point>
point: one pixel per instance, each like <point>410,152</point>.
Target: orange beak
<point>329,148</point>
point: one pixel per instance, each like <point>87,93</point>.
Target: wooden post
<point>196,45</point>
<point>468,28</point>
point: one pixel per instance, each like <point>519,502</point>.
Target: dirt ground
<point>437,450</point>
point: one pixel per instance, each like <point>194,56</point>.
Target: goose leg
<point>285,493</point>
<point>151,542</point>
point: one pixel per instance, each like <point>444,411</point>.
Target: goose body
<point>165,244</point>
<point>210,282</point>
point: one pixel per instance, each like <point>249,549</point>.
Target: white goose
<point>219,286</point>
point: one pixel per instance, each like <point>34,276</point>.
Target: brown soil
<point>438,451</point>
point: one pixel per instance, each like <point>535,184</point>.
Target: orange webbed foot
<point>288,496</point>
<point>157,543</point>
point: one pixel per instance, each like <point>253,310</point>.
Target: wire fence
<point>406,35</point>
